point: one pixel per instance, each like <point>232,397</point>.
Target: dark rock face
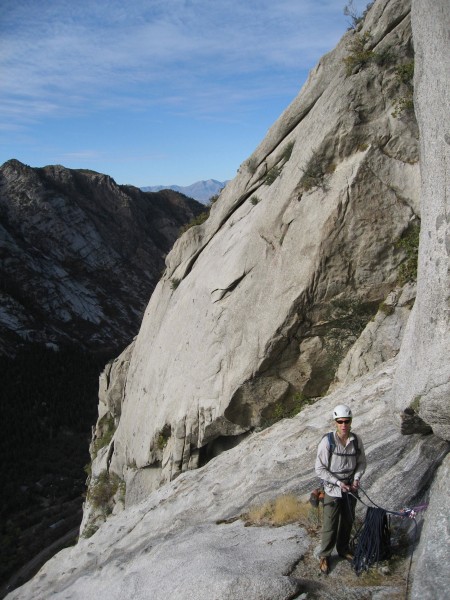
<point>79,258</point>
<point>412,423</point>
<point>80,255</point>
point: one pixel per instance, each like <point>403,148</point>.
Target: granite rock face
<point>431,578</point>
<point>381,339</point>
<point>79,255</point>
<point>423,377</point>
<point>258,306</point>
<point>184,532</point>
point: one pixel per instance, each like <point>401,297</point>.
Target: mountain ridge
<point>200,190</point>
<point>68,237</point>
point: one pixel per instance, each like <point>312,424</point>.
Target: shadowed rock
<point>80,255</point>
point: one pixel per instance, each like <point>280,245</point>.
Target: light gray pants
<point>338,517</point>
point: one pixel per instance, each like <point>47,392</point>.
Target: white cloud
<point>95,155</point>
<point>59,56</point>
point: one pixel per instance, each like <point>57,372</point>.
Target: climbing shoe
<point>347,555</point>
<point>324,565</point>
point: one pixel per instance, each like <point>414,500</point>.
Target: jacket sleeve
<point>321,466</point>
<point>360,461</point>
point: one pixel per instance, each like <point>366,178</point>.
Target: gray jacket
<point>350,466</point>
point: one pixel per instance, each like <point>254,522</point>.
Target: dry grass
<point>258,515</point>
<point>287,509</point>
<point>282,511</point>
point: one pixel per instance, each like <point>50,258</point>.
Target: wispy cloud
<point>60,56</point>
<point>95,156</point>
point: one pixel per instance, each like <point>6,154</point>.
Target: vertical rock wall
<point>258,305</point>
<point>423,376</point>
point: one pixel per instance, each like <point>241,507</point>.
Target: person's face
<point>343,425</point>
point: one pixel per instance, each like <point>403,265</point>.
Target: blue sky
<point>156,91</point>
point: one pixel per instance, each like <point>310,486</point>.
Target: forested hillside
<point>48,405</point>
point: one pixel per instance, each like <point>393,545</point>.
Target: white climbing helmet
<point>341,411</point>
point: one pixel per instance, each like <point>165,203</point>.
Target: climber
<point>340,464</point>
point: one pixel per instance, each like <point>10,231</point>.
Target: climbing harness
<point>318,494</point>
<point>332,447</point>
<point>332,450</point>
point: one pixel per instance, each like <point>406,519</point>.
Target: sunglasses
<point>343,421</point>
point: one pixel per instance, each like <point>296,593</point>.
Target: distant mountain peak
<point>200,190</point>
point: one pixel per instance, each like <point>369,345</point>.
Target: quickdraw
<point>411,513</point>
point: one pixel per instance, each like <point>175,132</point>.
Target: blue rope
<point>373,542</point>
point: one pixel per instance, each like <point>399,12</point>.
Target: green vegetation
<point>351,314</point>
<point>272,175</point>
<point>102,490</point>
<point>359,55</point>
<point>384,57</point>
<point>415,404</point>
<point>405,73</point>
<point>108,428</point>
<point>286,155</point>
<point>198,220</point>
<point>254,200</point>
<point>213,199</point>
<point>162,441</point>
<point>387,309</point>
<point>90,530</point>
<point>277,169</point>
<point>314,172</point>
<point>174,283</point>
<point>286,409</point>
<point>252,165</point>
<point>409,242</point>
<point>202,217</point>
<point>347,318</point>
<point>298,403</point>
<point>404,104</point>
<point>163,437</point>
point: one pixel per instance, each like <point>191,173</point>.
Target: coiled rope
<point>372,542</point>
